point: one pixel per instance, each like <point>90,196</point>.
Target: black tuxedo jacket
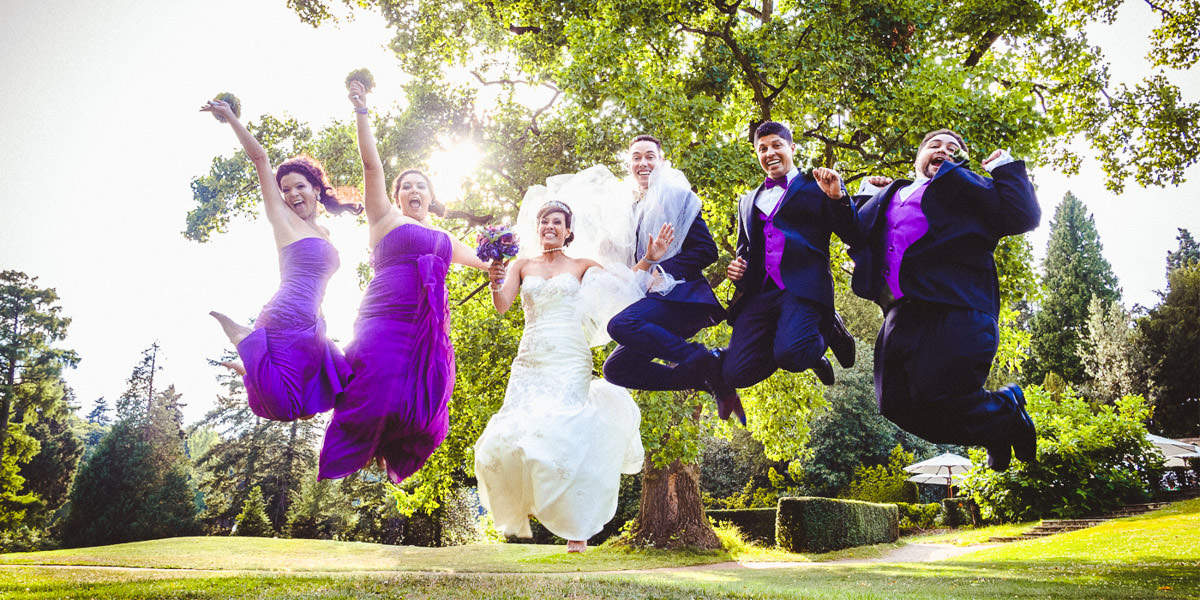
<point>697,252</point>
<point>806,217</point>
<point>953,262</point>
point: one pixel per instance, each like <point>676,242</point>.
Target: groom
<point>927,260</point>
<point>658,326</point>
<point>783,315</point>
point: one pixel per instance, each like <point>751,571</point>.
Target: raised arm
<point>377,203</point>
<point>273,205</point>
<point>504,293</point>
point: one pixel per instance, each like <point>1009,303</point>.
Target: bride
<point>556,449</point>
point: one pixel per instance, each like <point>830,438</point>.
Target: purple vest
<point>772,247</point>
<point>906,223</point>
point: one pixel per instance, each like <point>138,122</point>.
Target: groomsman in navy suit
<point>659,325</point>
<point>928,262</point>
<point>783,315</point>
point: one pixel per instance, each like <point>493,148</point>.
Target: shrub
<point>1091,459</point>
<point>253,519</point>
<point>756,524</point>
<point>957,512</point>
<point>918,516</point>
<point>884,483</point>
<point>822,524</point>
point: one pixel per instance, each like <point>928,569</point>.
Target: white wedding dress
<point>558,446</point>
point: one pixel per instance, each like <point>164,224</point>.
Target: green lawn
<point>1151,556</point>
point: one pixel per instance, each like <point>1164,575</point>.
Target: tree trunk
<point>671,515</point>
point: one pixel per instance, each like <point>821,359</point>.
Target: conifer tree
<point>1171,338</point>
<point>253,521</point>
<point>1075,270</point>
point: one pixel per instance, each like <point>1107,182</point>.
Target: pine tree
<point>253,521</point>
<point>1075,271</point>
<point>252,451</point>
<point>1187,252</point>
<point>1171,338</point>
<point>30,366</point>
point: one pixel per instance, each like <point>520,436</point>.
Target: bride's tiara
<point>557,204</point>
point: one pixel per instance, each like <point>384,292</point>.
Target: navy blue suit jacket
<point>953,262</point>
<point>697,253</point>
<point>806,217</point>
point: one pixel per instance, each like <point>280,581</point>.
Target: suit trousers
<point>931,361</point>
<point>655,328</point>
<point>775,330</point>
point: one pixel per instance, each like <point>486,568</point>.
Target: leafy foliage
<point>1110,354</point>
<point>1091,459</point>
<point>884,483</point>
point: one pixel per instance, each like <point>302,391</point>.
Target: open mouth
<point>414,202</point>
<point>298,204</point>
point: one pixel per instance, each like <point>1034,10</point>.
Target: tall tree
<point>1171,338</point>
<point>137,484</point>
<point>1187,252</point>
<point>1110,352</point>
<point>31,367</point>
<point>252,452</point>
<point>1075,272</point>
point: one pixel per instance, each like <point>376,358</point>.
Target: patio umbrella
<point>1170,447</point>
<point>942,468</point>
<point>932,479</point>
<point>1180,460</point>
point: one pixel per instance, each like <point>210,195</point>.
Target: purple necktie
<point>778,181</point>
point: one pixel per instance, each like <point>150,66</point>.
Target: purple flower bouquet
<point>496,243</point>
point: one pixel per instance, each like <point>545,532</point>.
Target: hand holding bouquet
<point>496,243</point>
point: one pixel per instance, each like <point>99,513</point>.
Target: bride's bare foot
<point>576,545</point>
<point>236,365</point>
<point>236,332</point>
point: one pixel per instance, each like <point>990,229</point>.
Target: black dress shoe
<point>841,342</point>
<point>824,371</point>
<point>1023,435</point>
<point>999,458</point>
<point>725,395</point>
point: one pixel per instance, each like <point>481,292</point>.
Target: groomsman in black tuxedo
<point>928,262</point>
<point>783,315</point>
<point>659,325</point>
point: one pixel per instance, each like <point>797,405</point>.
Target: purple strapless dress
<point>395,405</point>
<point>292,369</point>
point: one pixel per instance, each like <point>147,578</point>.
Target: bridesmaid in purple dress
<point>394,410</point>
<point>291,370</point>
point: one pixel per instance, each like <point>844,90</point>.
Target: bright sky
<point>101,138</point>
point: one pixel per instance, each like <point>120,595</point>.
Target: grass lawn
<point>1150,556</point>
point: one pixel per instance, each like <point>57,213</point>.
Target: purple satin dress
<point>395,405</point>
<point>292,369</point>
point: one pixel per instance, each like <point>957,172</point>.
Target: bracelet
<point>361,111</point>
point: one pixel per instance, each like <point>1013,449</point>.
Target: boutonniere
<point>959,156</point>
<point>808,164</point>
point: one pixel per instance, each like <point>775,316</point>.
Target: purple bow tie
<point>778,181</point>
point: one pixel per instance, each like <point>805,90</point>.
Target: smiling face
<point>644,157</point>
<point>776,155</point>
<point>413,195</point>
<point>934,152</point>
<point>299,194</point>
<point>553,230</point>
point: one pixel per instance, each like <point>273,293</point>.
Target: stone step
<point>1050,527</point>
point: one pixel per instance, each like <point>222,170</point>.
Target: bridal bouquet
<point>496,243</point>
<point>232,101</point>
<point>362,76</point>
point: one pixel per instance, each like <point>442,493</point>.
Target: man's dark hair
<point>933,134</point>
<point>646,138</point>
<point>773,128</point>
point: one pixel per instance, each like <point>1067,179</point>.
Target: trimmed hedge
<point>757,524</point>
<point>919,516</point>
<point>808,524</point>
<point>957,512</point>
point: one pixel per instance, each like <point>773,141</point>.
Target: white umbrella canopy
<point>934,479</point>
<point>1180,460</point>
<point>945,465</point>
<point>1170,447</point>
